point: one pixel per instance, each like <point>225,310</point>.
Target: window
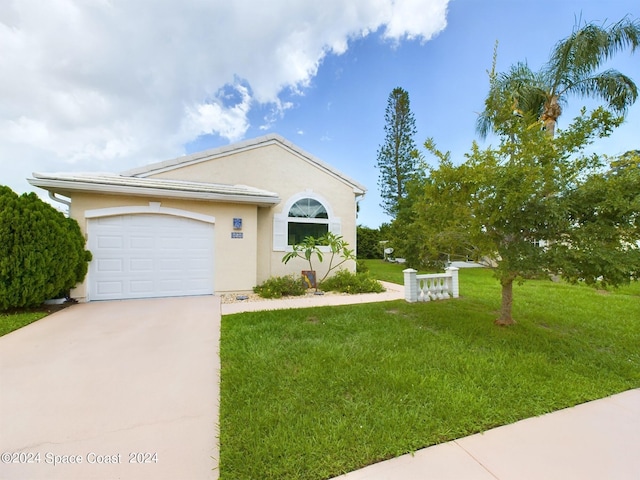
<point>304,214</point>
<point>307,217</point>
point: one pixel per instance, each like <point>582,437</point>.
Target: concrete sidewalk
<point>596,440</point>
<point>393,292</point>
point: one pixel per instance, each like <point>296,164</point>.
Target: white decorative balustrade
<point>432,286</point>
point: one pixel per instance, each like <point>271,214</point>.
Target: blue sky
<point>340,117</point>
<point>87,100</point>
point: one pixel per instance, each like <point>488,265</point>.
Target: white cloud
<point>229,121</point>
<point>107,84</point>
<point>416,19</point>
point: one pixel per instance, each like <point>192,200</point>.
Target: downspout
<point>53,197</point>
<point>359,197</point>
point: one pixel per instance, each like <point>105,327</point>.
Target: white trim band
<point>153,207</point>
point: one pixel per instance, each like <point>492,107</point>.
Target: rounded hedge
<point>347,282</point>
<point>42,252</point>
<point>277,287</point>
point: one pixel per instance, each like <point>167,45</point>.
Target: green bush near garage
<point>42,252</point>
<point>348,282</point>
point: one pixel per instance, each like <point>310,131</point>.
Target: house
<point>211,222</point>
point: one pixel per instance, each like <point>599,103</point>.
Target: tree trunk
<point>550,126</point>
<point>507,301</point>
<point>552,110</point>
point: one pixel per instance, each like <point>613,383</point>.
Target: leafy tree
<point>41,251</point>
<point>434,230</point>
<point>402,232</point>
<point>368,242</point>
<point>502,201</point>
<point>385,230</point>
<point>398,158</point>
<point>571,70</point>
<point>605,225</point>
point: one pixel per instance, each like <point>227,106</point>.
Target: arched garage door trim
<point>151,208</point>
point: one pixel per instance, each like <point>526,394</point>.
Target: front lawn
<point>313,393</point>
<point>13,321</point>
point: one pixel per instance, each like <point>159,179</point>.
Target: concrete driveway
<point>122,389</point>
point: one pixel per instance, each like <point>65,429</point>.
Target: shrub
<point>347,282</point>
<point>369,246</point>
<point>41,251</point>
<point>277,287</point>
<point>362,267</point>
<point>369,242</point>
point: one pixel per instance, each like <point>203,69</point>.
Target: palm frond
<point>484,125</point>
<point>587,48</point>
<point>517,92</point>
<point>613,87</point>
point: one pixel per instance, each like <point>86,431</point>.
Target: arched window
<point>307,218</point>
<point>304,214</point>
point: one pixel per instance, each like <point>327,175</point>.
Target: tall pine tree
<point>398,157</point>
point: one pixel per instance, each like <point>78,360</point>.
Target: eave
<point>118,185</point>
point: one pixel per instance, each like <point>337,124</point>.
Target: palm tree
<point>571,70</point>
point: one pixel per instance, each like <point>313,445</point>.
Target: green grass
<point>386,271</point>
<point>13,321</point>
<point>389,272</point>
<point>313,393</point>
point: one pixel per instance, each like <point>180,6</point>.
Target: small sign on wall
<point>237,224</point>
<point>237,235</point>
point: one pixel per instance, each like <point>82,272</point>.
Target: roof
<point>110,183</point>
<point>212,154</point>
<point>137,181</point>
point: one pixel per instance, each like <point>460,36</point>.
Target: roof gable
<point>228,150</point>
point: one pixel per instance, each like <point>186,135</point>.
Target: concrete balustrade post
<point>410,285</point>
<point>454,286</point>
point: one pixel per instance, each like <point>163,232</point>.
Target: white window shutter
<point>335,226</point>
<point>279,232</point>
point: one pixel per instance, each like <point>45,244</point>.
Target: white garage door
<point>149,255</point>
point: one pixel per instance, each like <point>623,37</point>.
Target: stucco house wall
<point>279,169</point>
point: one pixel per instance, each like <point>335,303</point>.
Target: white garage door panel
<point>110,288</point>
<point>147,255</point>
<point>108,241</point>
<point>137,242</point>
<point>141,265</point>
<point>141,287</point>
<point>109,264</point>
<point>170,265</point>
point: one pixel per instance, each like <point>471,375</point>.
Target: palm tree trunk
<point>507,302</point>
<point>552,110</point>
